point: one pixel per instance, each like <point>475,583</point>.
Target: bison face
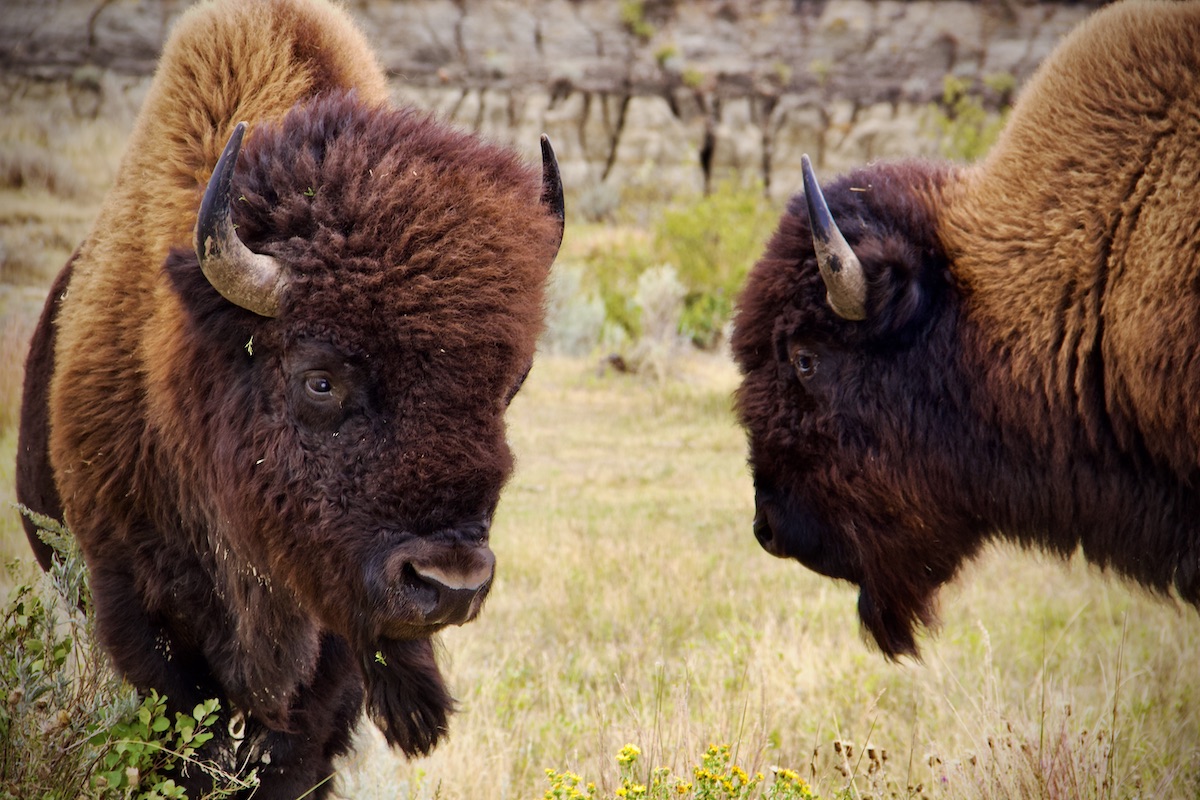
<point>851,394</point>
<point>363,303</point>
<point>426,564</point>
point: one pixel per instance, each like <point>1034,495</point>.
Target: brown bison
<point>935,356</point>
<point>270,405</point>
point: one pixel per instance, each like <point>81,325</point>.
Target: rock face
<point>657,94</point>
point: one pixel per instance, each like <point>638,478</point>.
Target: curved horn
<point>552,188</point>
<point>245,278</point>
<point>845,282</point>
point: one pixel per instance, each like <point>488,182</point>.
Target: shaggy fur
<point>245,537</point>
<point>1028,366</point>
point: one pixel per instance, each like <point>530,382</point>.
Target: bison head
<point>362,306</point>
<point>852,395</point>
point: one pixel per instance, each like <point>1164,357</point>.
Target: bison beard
<point>935,356</point>
<point>268,392</point>
<point>406,696</point>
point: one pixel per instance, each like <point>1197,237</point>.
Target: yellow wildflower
<point>628,754</point>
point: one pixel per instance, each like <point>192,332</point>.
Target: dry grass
<point>26,166</point>
<point>633,605</point>
<point>54,168</point>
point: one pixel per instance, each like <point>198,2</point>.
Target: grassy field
<point>632,604</point>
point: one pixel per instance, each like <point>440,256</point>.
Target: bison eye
<point>805,363</point>
<point>318,386</point>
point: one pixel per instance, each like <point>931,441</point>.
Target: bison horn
<point>552,188</point>
<point>845,282</point>
<point>245,278</point>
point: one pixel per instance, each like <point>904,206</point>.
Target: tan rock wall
<point>680,94</point>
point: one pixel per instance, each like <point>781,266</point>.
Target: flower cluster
<point>716,778</point>
<point>565,786</point>
<point>789,785</point>
<point>628,755</point>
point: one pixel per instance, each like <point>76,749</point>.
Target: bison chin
<point>893,622</point>
<point>406,696</point>
<point>895,598</point>
<point>786,529</point>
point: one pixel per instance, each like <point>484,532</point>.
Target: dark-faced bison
<point>934,356</point>
<point>270,404</point>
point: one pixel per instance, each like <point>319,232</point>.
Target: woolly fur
<point>1028,369</point>
<point>242,540</point>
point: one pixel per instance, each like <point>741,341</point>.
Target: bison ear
<point>406,696</point>
<point>552,188</point>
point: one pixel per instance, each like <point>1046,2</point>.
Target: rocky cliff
<point>658,94</point>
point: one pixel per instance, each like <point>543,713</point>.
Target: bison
<point>934,356</point>
<point>267,392</point>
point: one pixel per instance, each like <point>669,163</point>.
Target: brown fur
<point>244,541</point>
<point>1027,369</point>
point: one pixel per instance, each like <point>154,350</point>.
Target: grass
<point>632,605</point>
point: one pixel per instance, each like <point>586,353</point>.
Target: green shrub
<point>69,727</point>
<point>613,262</point>
<point>659,301</point>
<point>713,241</point>
<point>574,314</point>
<point>633,17</point>
<point>967,129</point>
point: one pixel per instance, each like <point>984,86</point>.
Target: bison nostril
<point>763,532</point>
<point>451,592</point>
<point>471,579</point>
<point>449,605</point>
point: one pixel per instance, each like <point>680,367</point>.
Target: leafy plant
<point>967,129</point>
<point>659,300</point>
<point>633,17</point>
<point>713,240</point>
<point>69,726</point>
<point>710,241</point>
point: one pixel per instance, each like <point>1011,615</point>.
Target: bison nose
<point>454,592</point>
<point>764,533</point>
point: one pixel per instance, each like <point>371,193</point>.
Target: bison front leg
<point>141,645</point>
<point>325,711</point>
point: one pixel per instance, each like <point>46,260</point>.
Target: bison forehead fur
<point>1025,366</point>
<point>279,510</point>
